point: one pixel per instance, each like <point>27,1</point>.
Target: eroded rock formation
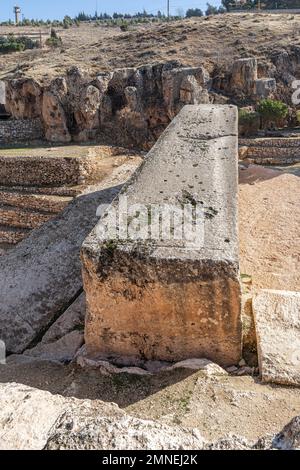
<point>133,106</point>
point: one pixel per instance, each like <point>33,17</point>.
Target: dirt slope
<point>207,40</point>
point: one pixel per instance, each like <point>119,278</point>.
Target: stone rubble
<point>31,419</point>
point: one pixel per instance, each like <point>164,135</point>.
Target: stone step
<point>274,153</point>
<point>273,142</point>
<point>22,218</point>
<point>40,202</point>
<point>40,167</point>
<point>11,236</point>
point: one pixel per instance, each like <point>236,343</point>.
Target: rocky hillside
<point>204,41</point>
<point>111,94</point>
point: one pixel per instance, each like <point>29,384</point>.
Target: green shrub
<point>249,122</point>
<point>124,26</point>
<point>272,112</point>
<point>54,40</point>
<point>11,43</point>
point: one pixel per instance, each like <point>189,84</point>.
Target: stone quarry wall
<point>272,151</point>
<point>21,130</point>
<point>128,106</point>
<point>133,106</point>
<point>162,298</point>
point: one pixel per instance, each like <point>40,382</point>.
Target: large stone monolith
<point>175,294</point>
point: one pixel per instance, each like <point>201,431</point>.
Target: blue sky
<point>51,9</point>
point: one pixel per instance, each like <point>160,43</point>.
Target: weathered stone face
<point>184,86</point>
<point>265,87</point>
<point>23,98</point>
<point>277,323</point>
<point>244,74</point>
<point>87,114</point>
<point>55,119</point>
<point>163,299</point>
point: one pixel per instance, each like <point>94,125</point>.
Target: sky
<point>57,9</point>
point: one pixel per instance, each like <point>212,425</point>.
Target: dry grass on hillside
<point>196,41</point>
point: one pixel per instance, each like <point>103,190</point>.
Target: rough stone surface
<point>47,170</point>
<point>164,300</point>
<point>130,106</point>
<point>208,368</point>
<point>244,75</point>
<point>289,437</point>
<point>55,119</point>
<point>249,333</point>
<point>21,130</point>
<point>62,350</point>
<point>277,322</point>
<point>39,182</point>
<point>32,419</point>
<point>265,87</point>
<point>71,319</point>
<point>23,98</point>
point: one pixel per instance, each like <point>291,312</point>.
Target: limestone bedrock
<point>167,299</point>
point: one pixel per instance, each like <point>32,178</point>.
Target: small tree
<point>54,40</point>
<point>272,112</point>
<point>211,10</point>
<point>191,12</point>
<point>227,4</point>
<point>249,122</point>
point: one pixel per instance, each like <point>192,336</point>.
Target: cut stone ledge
<point>277,323</point>
<point>165,300</point>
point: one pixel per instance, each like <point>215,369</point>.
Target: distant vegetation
<point>265,4</point>
<point>124,20</point>
<point>192,12</point>
<point>11,43</point>
<point>117,19</point>
<point>121,19</point>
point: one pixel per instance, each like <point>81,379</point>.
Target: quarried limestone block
<point>277,323</point>
<point>171,295</point>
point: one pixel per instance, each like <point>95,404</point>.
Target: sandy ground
<point>217,39</point>
<point>269,206</point>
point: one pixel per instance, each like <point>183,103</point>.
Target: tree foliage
<point>272,111</point>
<point>191,12</point>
